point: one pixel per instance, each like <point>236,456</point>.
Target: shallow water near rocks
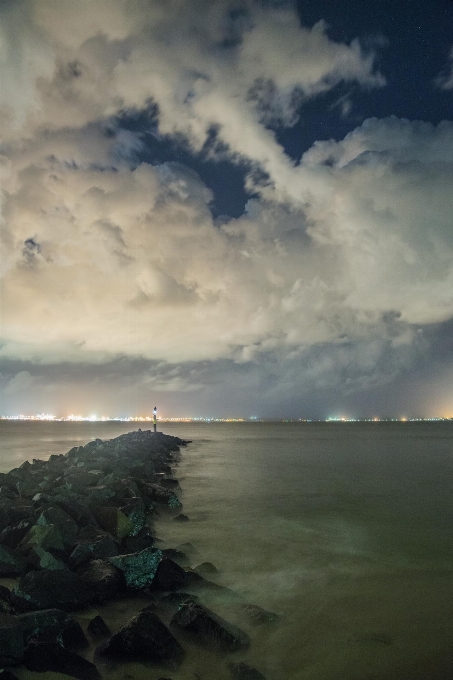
<point>345,530</point>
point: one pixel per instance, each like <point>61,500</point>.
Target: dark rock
<point>158,494</point>
<point>169,575</point>
<point>208,628</point>
<point>79,512</point>
<point>206,569</point>
<point>144,637</point>
<point>11,564</point>
<point>12,641</point>
<point>43,537</point>
<point>50,656</point>
<point>144,539</point>
<point>97,628</point>
<point>53,625</point>
<point>140,568</point>
<point>100,494</point>
<point>176,598</point>
<point>240,671</point>
<point>12,536</point>
<point>101,578</point>
<point>51,589</point>
<point>100,546</point>
<point>177,556</point>
<point>43,559</point>
<point>170,483</point>
<point>6,603</point>
<point>114,521</point>
<point>258,615</point>
<point>181,518</point>
<point>55,516</point>
<point>135,512</point>
<point>7,675</point>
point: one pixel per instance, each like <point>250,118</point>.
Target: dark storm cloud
<point>326,282</point>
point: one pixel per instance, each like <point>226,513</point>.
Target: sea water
<point>345,530</point>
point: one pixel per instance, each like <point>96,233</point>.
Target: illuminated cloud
<point>327,279</point>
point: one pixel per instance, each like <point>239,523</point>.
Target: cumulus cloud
<point>331,272</point>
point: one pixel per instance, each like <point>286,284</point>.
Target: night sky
<point>226,208</point>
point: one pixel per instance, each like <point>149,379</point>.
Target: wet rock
<point>80,479</point>
<point>97,628</point>
<point>50,656</point>
<point>6,603</point>
<point>177,556</point>
<point>79,512</point>
<point>134,510</point>
<point>208,628</point>
<point>55,516</point>
<point>241,671</point>
<point>144,539</point>
<point>100,494</point>
<point>176,598</point>
<point>100,546</point>
<point>140,568</point>
<point>114,521</point>
<point>158,494</point>
<point>12,641</point>
<point>51,589</point>
<point>43,537</point>
<point>7,675</point>
<point>101,578</point>
<point>258,615</point>
<point>170,483</point>
<point>53,625</point>
<point>181,518</point>
<point>44,559</point>
<point>206,569</point>
<point>144,637</point>
<point>11,564</point>
<point>169,575</point>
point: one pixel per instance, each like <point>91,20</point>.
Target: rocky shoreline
<point>76,531</point>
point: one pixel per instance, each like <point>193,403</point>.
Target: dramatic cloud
<point>329,277</point>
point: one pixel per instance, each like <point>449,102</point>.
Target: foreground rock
<point>50,656</point>
<point>240,671</point>
<point>51,589</point>
<point>208,628</point>
<point>138,569</point>
<point>144,638</point>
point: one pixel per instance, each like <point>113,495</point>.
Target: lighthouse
<point>155,418</point>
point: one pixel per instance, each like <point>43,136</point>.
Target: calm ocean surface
<point>345,530</point>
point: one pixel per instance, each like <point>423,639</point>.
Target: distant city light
<point>208,419</point>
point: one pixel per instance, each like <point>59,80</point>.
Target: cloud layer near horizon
<point>332,272</point>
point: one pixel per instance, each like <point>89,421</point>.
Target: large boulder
<point>50,656</point>
<point>146,638</point>
<point>11,564</point>
<point>241,671</point>
<point>158,494</point>
<point>101,578</point>
<point>55,516</point>
<point>12,641</point>
<point>140,568</point>
<point>99,546</point>
<point>52,625</point>
<point>169,575</point>
<point>114,521</point>
<point>97,628</point>
<point>51,589</point>
<point>208,628</point>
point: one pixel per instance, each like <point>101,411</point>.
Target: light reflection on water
<point>345,530</point>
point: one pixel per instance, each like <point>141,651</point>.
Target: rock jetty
<point>76,531</point>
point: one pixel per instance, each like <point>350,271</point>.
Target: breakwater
<point>76,532</point>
